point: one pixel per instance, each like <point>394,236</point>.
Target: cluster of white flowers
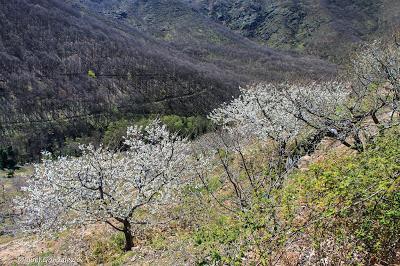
<point>101,185</point>
<point>260,111</point>
<point>281,111</point>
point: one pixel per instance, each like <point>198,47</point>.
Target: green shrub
<point>353,201</point>
<point>191,127</point>
<point>91,74</point>
<point>217,239</point>
<point>115,133</point>
<point>108,250</point>
<point>345,209</point>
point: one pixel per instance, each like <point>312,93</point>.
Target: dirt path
<point>20,251</point>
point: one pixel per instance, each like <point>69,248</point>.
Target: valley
<point>199,132</point>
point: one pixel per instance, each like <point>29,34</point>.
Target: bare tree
<point>376,74</point>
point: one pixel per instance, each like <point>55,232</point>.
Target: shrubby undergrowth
<point>344,210</point>
<point>351,204</point>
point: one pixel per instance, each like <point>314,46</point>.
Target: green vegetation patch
<point>354,200</point>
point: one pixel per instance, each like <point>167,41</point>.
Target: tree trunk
<point>375,118</point>
<point>358,144</point>
<point>128,236</point>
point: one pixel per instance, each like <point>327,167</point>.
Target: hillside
<point>347,201</point>
<point>179,25</point>
<point>199,132</point>
<point>63,70</point>
<point>326,28</point>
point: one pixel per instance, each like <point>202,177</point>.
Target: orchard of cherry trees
<point>132,187</point>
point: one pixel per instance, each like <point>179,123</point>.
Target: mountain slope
<point>48,48</point>
<point>62,68</point>
<point>45,43</point>
<point>320,27</point>
<point>182,27</point>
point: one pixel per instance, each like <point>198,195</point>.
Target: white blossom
<point>281,111</point>
<point>104,186</point>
